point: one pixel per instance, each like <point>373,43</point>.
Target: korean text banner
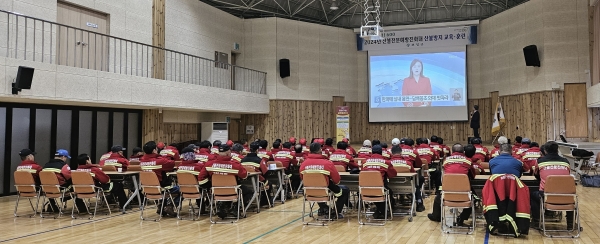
<point>422,38</point>
<point>342,122</point>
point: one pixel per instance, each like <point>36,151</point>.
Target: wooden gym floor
<point>280,224</point>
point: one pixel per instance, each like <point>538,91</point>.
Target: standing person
<point>475,123</point>
<point>416,84</point>
<point>315,163</point>
<point>378,163</point>
<point>101,179</point>
<point>116,158</point>
<point>28,164</point>
<point>550,164</point>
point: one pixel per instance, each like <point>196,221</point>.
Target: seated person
<point>59,166</point>
<point>305,149</point>
<point>315,163</point>
<point>425,151</point>
<point>410,152</point>
<point>276,148</point>
<point>189,163</point>
<point>28,164</point>
<point>350,150</point>
<point>525,144</point>
<point>237,152</point>
<point>171,152</point>
<point>470,152</point>
<point>549,164</point>
<point>262,151</point>
<point>365,150</point>
<point>101,179</point>
<point>152,161</point>
<point>215,147</point>
<point>505,163</point>
<point>517,145</point>
<point>378,163</point>
<point>456,163</point>
<point>445,148</point>
<point>299,154</point>
<point>398,160</point>
<point>481,152</point>
<point>285,156</point>
<point>225,165</point>
<point>496,151</point>
<point>341,157</point>
<point>434,143</point>
<point>530,157</point>
<point>204,154</point>
<point>116,158</point>
<point>328,147</point>
<point>386,153</point>
<point>137,154</point>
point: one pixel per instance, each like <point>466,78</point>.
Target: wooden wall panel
<point>153,129</point>
<point>534,113</point>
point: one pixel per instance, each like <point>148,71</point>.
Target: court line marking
<point>66,227</point>
<point>487,236</point>
<point>273,230</point>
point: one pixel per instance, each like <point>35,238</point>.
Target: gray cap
<point>526,141</point>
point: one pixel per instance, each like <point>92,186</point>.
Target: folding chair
<point>136,168</point>
<point>133,162</point>
<point>425,172</point>
<point>26,188</point>
<point>152,190</point>
<point>316,191</point>
<point>340,168</point>
<point>286,178</point>
<point>372,190</point>
<point>226,189</point>
<point>85,188</point>
<point>560,194</point>
<point>109,168</point>
<point>52,190</point>
<point>190,190</point>
<point>301,182</point>
<point>456,194</point>
<point>401,169</point>
<point>261,186</point>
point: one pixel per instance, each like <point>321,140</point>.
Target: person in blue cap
<point>59,166</point>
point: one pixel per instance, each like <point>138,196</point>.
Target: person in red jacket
<point>445,148</point>
<point>517,144</point>
<point>397,160</point>
<point>245,145</point>
<point>285,156</point>
<point>365,150</point>
<point>137,154</point>
<point>386,153</point>
<point>189,163</point>
<point>293,141</point>
<point>101,179</point>
<point>204,154</point>
<point>299,154</point>
<point>276,148</point>
<point>237,152</point>
<point>304,147</point>
<point>59,166</point>
<point>378,163</point>
<point>171,152</point>
<point>224,165</point>
<point>151,161</point>
<point>315,163</point>
<point>531,156</point>
<point>525,145</point>
<point>341,157</point>
<point>215,147</point>
<point>262,152</point>
<point>416,84</point>
<point>329,146</point>
<point>28,164</point>
<point>456,163</point>
<point>506,199</point>
<point>116,158</point>
<point>470,152</point>
<point>253,160</point>
<point>434,143</point>
<point>410,152</point>
<point>350,150</point>
<point>481,153</point>
<point>425,151</point>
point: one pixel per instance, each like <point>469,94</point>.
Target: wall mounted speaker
<point>284,68</point>
<point>531,56</point>
<point>23,80</point>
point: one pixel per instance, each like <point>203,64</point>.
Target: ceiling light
<point>334,5</point>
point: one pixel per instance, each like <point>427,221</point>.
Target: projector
<point>371,32</point>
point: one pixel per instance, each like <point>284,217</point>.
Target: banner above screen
<point>422,38</point>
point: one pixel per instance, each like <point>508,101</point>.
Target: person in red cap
<point>229,143</point>
<point>245,145</point>
<point>160,146</point>
<point>349,149</point>
<point>171,152</point>
<point>303,144</point>
<point>324,152</point>
<point>293,141</point>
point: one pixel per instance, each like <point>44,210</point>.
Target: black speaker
<point>531,56</point>
<point>23,80</point>
<point>284,67</point>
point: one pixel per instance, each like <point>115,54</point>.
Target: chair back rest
<point>277,163</point>
<point>315,185</point>
<point>150,184</point>
<point>49,182</point>
<point>560,184</point>
<point>456,187</point>
<point>24,182</point>
<point>400,169</point>
<point>370,183</point>
<point>360,161</point>
<point>249,168</point>
<point>134,162</point>
<point>340,168</point>
<point>485,165</point>
<point>83,183</point>
<point>137,168</point>
<point>188,184</point>
<point>224,185</point>
<point>109,168</point>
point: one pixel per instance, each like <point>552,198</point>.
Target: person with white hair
<point>496,151</point>
<point>365,150</point>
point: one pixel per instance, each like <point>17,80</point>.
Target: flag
<point>498,120</point>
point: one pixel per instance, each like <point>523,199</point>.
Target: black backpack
<point>580,153</point>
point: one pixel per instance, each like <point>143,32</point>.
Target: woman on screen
<point>416,84</point>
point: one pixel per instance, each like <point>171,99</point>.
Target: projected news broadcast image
<point>418,87</point>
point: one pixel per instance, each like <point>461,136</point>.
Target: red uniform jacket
<point>315,163</point>
<point>516,147</point>
<point>446,149</point>
<point>264,154</point>
<point>222,166</point>
<point>458,163</point>
<point>377,163</point>
<point>191,166</point>
<point>530,157</point>
<point>329,149</point>
<point>437,148</point>
<point>299,157</point>
<point>477,166</point>
<point>61,169</point>
<point>412,154</point>
<point>427,153</point>
<point>31,167</point>
<point>506,198</point>
<point>521,150</point>
<point>204,155</point>
<point>285,157</point>
<point>237,156</point>
<point>157,164</point>
<point>401,161</point>
<point>214,150</point>
<point>105,156</point>
<point>135,157</point>
<point>246,148</point>
<point>170,152</point>
<point>551,164</point>
<point>481,153</point>
<point>275,150</point>
<point>116,160</point>
<point>341,157</point>
<point>99,176</point>
<point>364,152</point>
<point>305,149</point>
<point>410,86</point>
<point>495,152</point>
<point>350,150</point>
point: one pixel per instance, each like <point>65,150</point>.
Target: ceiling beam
<point>324,12</point>
<point>343,12</point>
<point>300,8</point>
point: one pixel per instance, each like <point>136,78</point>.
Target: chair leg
<point>37,204</point>
<point>106,201</point>
<point>210,214</point>
<point>304,210</point>
<point>360,214</point>
<point>17,204</point>
<point>179,209</point>
<point>43,205</point>
<point>143,206</point>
